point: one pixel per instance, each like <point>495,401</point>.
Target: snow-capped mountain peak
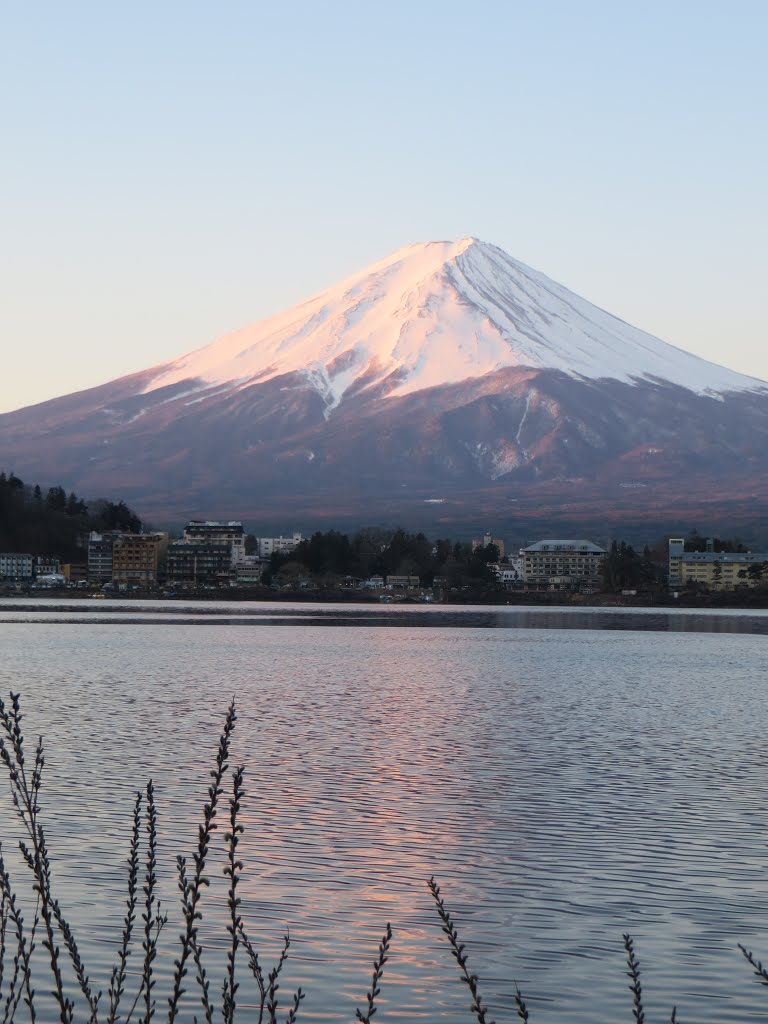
<point>447,372</point>
<point>439,313</point>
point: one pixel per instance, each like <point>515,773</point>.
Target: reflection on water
<point>563,784</point>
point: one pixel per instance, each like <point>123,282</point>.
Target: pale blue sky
<point>171,171</point>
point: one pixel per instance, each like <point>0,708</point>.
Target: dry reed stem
<point>378,971</point>
<point>119,971</point>
<point>191,887</point>
<point>457,948</point>
<point>232,870</point>
<point>633,973</point>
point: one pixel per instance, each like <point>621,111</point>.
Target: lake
<point>566,775</point>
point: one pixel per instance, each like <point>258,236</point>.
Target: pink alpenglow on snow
<point>438,313</point>
<point>447,378</point>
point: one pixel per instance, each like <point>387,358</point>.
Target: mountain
<point>447,381</point>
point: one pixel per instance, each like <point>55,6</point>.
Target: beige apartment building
<point>136,556</point>
<point>715,570</point>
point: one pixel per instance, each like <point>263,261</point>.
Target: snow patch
<point>518,442</point>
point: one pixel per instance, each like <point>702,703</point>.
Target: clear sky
<point>170,171</point>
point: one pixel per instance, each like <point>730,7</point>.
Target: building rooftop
<point>216,523</point>
<point>553,546</point>
<point>727,557</point>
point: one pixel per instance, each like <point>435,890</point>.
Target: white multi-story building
<point>268,546</point>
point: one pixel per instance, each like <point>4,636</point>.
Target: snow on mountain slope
<point>438,313</point>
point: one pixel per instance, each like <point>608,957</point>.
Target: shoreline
<point>746,601</point>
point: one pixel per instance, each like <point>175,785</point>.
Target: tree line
<point>624,568</point>
<point>55,522</point>
<point>379,552</point>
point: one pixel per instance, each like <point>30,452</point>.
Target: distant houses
<point>401,582</point>
<point>212,554</point>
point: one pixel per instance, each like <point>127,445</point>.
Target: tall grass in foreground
<point>61,976</point>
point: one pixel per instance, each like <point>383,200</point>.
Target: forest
<point>54,522</point>
<point>378,551</point>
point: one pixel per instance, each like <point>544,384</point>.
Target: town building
<point>562,564</point>
<point>352,583</point>
<point>46,565</point>
<point>715,570</point>
<point>485,540</point>
<point>199,565</point>
<point>507,575</point>
<point>248,572</point>
<point>136,558</point>
<point>216,532</point>
<point>75,572</point>
<point>100,556</point>
<point>267,546</point>
<point>400,582</point>
<point>16,566</point>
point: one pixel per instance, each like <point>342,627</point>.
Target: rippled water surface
<point>565,784</point>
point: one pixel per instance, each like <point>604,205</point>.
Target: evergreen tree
<point>56,499</point>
